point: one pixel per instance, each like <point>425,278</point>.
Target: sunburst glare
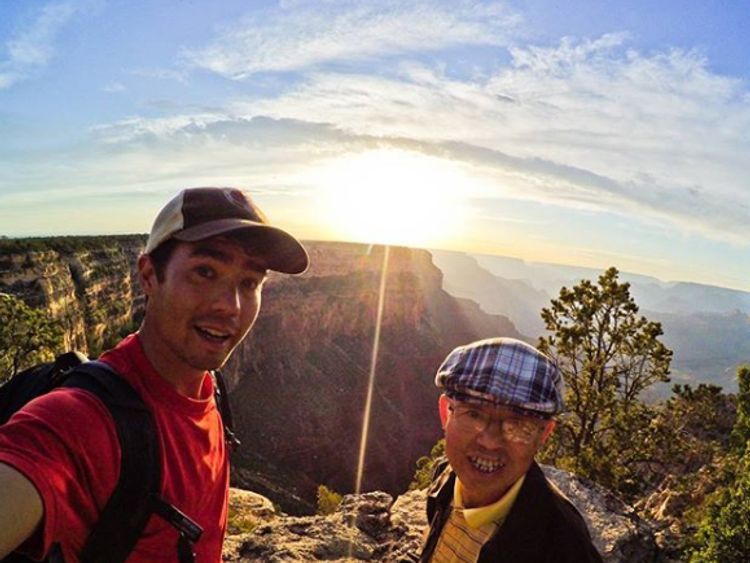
<point>393,197</point>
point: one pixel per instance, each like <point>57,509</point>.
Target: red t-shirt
<point>65,443</point>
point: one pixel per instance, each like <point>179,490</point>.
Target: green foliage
<point>27,336</point>
<point>328,500</point>
<point>699,421</point>
<point>608,355</point>
<point>423,474</point>
<point>111,339</point>
<point>741,431</point>
<point>724,534</point>
<point>239,522</point>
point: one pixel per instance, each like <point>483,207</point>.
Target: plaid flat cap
<point>503,371</point>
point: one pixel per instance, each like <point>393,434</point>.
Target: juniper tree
<point>608,355</point>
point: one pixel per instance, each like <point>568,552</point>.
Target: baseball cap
<point>503,371</point>
<point>198,213</point>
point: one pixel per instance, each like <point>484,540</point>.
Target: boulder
<point>361,529</point>
<point>619,534</point>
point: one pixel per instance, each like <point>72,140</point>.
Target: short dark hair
<point>160,257</point>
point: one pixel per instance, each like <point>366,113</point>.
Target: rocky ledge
<point>372,527</point>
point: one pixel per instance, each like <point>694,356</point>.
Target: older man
<point>490,501</point>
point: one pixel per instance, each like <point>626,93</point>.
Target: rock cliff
<point>88,283</point>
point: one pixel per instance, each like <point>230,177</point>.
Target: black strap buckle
<point>185,553</point>
<point>190,531</point>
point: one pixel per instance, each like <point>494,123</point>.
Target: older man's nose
<point>492,435</point>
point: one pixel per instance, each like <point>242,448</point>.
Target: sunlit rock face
<point>299,383</point>
<point>371,527</point>
<point>88,283</point>
<point>617,531</point>
<point>366,527</point>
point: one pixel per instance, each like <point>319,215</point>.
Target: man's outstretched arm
<point>21,509</point>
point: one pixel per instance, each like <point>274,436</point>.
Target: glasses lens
<point>520,431</point>
<point>473,420</point>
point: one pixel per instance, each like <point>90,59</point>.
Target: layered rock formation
<point>88,283</point>
<point>300,381</point>
<point>371,527</point>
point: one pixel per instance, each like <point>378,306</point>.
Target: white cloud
<point>591,123</point>
<point>300,35</point>
<point>32,46</point>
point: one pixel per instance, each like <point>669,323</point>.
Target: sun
<point>392,197</point>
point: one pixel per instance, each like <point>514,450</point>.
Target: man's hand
<point>21,509</point>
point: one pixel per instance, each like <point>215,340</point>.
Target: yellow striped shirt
<point>468,529</point>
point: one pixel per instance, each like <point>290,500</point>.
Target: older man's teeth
<point>485,465</point>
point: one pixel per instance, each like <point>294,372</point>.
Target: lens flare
<point>392,197</point>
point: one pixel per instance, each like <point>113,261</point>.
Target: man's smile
<point>212,334</point>
<point>486,465</point>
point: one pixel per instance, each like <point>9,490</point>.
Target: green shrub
<point>240,523</point>
<point>608,354</point>
<point>27,336</point>
<point>423,474</point>
<point>328,500</point>
<point>724,534</point>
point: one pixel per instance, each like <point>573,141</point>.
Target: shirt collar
<point>495,512</point>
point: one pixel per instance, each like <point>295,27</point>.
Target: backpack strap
<point>221,396</point>
<point>127,511</point>
<point>34,382</point>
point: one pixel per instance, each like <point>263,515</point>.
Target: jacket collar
<point>528,520</point>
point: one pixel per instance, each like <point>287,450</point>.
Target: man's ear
<point>146,274</point>
<point>548,431</point>
<point>443,408</point>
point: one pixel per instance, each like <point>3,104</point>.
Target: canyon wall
<point>299,382</point>
<point>89,284</point>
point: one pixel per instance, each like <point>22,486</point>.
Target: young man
<point>490,501</point>
<point>202,272</point>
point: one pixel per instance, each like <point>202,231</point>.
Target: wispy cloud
<point>33,46</point>
<point>590,122</point>
<point>260,147</point>
<point>300,35</point>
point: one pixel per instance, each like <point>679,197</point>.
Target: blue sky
<point>586,133</point>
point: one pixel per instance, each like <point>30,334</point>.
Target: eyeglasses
<point>473,420</point>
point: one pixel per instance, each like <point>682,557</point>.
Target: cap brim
<point>278,250</point>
